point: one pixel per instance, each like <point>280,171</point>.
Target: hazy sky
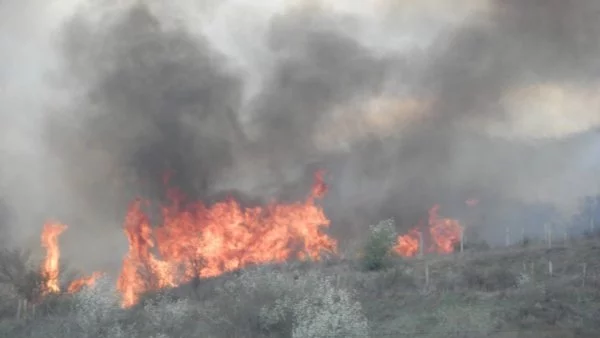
<point>405,103</point>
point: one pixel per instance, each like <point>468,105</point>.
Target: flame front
<point>196,240</point>
<point>444,233</point>
<point>50,266</point>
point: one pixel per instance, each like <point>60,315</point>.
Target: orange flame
<point>408,245</point>
<point>78,284</point>
<point>196,240</point>
<point>444,234</point>
<point>50,266</point>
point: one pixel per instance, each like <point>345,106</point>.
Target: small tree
<point>378,247</point>
<point>16,271</point>
<point>587,218</point>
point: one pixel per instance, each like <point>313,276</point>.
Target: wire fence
<point>564,333</point>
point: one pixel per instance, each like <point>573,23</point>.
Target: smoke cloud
<point>404,104</point>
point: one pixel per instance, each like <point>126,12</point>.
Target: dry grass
<point>496,293</point>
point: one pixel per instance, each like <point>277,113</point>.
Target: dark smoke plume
<point>152,99</point>
<point>158,101</point>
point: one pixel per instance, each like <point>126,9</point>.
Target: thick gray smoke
<point>239,102</point>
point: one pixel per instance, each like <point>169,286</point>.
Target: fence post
<point>19,303</point>
<point>426,273</point>
<point>420,244</point>
<point>462,240</point>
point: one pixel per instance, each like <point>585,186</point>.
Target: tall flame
<point>50,269</point>
<point>50,266</point>
<point>195,240</point>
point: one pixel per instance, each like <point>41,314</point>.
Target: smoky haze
<point>232,101</point>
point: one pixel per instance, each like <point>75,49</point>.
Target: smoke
<point>513,93</point>
<point>494,100</point>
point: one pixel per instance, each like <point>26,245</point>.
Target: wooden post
<point>548,234</point>
<point>592,220</point>
<point>19,309</point>
<point>584,274</point>
<point>426,273</point>
<point>421,244</point>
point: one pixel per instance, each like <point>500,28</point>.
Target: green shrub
<point>267,303</point>
<point>378,247</point>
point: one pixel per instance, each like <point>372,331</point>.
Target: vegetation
<point>471,295</point>
<point>527,290</point>
<point>379,244</point>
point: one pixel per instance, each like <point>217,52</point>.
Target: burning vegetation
<point>198,241</point>
<point>50,269</point>
<point>444,233</point>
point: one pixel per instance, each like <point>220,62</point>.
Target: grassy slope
<point>474,294</point>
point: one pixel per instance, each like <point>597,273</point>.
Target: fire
<point>444,233</point>
<point>50,266</point>
<point>195,240</point>
<point>408,245</point>
<point>80,283</point>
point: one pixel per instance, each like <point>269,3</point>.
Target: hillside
<point>507,292</point>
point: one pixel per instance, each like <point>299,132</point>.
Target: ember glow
<point>443,233</point>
